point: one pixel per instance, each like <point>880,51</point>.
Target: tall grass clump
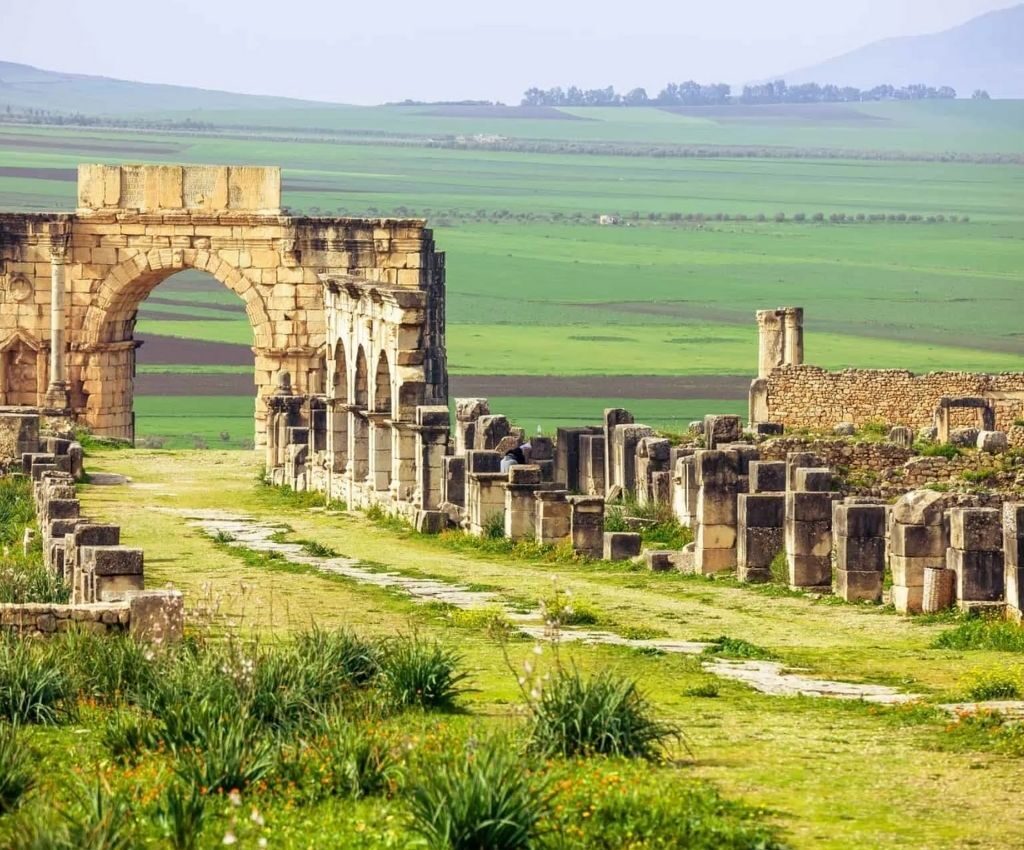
<point>109,668</point>
<point>983,633</point>
<point>34,687</point>
<point>655,522</point>
<point>17,777</point>
<point>359,762</point>
<point>344,656</point>
<point>602,715</point>
<point>485,799</point>
<point>416,672</point>
<point>182,814</point>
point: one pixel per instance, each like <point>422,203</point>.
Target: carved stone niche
<point>18,289</point>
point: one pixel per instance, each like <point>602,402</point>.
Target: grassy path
<point>837,774</point>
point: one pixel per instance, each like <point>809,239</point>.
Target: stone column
<point>586,525</point>
<point>859,540</point>
<point>57,392</point>
<point>613,417</point>
<point>431,444</point>
<point>467,412</point>
<point>715,516</point>
<point>976,554</point>
<point>520,510</point>
<point>1013,558</point>
<point>591,458</point>
<point>770,333</point>
<point>808,530</point>
<point>652,457</point>
<point>917,539</point>
<point>794,336</point>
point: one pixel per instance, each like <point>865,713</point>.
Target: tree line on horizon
<point>691,93</point>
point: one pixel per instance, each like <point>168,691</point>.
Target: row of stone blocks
<point>106,579</point>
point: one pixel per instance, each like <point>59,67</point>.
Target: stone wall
<point>859,458</point>
<point>46,619</point>
<point>812,397</point>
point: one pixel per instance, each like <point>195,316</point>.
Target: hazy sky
<point>369,52</point>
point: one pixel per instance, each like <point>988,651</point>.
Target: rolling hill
<point>986,52</point>
<point>26,87</point>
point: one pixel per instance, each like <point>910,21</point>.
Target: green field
<point>536,287</point>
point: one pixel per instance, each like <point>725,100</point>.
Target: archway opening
<point>338,429</point>
<point>194,381</point>
<point>382,436</point>
<point>360,422</point>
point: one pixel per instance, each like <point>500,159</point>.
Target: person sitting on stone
<point>513,457</point>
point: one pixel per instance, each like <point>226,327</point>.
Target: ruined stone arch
<point>111,315</point>
<point>382,391</point>
<point>361,383</point>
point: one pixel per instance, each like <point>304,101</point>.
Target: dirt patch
<point>114,147</point>
<point>734,387</point>
<point>159,350</point>
<point>64,175</point>
<point>177,383</point>
<point>547,113</point>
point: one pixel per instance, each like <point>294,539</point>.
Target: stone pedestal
<point>975,554</point>
<point>586,525</point>
<point>1013,557</point>
<point>552,517</point>
<point>859,545</point>
<point>759,534</point>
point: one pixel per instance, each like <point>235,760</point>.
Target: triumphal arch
<point>71,283</point>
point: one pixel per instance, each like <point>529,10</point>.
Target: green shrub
<point>422,673</point>
<point>724,646</point>
<point>983,633</point>
<point>230,754</point>
<point>485,800</point>
<point>560,609</point>
<point>708,689</point>
<point>181,814</point>
<point>100,819</point>
<point>613,807</point>
<point>946,450</point>
<point>34,687</point>
<point>655,522</point>
<point>602,715</point>
<point>359,762</point>
<point>17,777</point>
<point>344,656</point>
<point>108,668</point>
<point>494,527</point>
<point>317,550</point>
<point>127,734</point>
<point>995,684</point>
<point>978,476</point>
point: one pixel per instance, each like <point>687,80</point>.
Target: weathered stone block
<point>658,560</point>
<point>761,510</point>
<point>852,520</point>
<point>113,560</point>
<point>524,475</point>
<point>994,442</point>
<point>716,507</point>
<point>920,507</point>
<point>716,536</point>
<point>63,509</point>
<point>809,507</point>
<point>621,545</point>
<point>908,600</point>
<point>811,479</point>
<point>800,460</point>
<point>808,538</point>
<point>721,429</point>
<point>480,461</point>
<point>767,476</point>
<point>917,541</point>
<point>809,571</point>
<point>859,554</point>
<point>756,548</point>
<point>855,586</point>
<point>975,528</point>
<point>980,575</point>
<point>715,469</point>
<point>431,522</point>
<point>158,616</point>
<point>709,561</point>
<point>909,572</point>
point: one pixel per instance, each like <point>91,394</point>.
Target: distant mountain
<point>987,53</point>
<point>25,87</point>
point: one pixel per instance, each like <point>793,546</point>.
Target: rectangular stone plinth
<point>767,476</point>
<point>809,572</point>
<point>859,586</point>
<point>975,529</point>
<point>980,576</point>
<point>621,545</point>
<point>586,525</point>
<point>917,541</point>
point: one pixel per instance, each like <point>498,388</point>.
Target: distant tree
<point>636,97</point>
<point>979,94</point>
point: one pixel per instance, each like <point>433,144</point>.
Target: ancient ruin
<point>71,283</point>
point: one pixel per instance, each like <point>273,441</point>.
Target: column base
<point>57,396</point>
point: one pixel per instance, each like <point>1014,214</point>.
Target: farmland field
<point>722,212</point>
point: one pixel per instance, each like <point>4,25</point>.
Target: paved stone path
<point>768,677</point>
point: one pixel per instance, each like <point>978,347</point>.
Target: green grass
<point>191,421</point>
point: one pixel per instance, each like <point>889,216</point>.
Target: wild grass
<point>724,646</point>
<point>483,798</point>
<point>655,521</point>
<point>418,672</point>
<point>979,633</point>
<point>23,577</point>
<point>17,776</point>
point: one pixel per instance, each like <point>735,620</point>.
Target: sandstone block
<point>811,479</point>
<point>761,510</point>
<point>908,600</point>
<point>809,507</point>
<point>716,507</point>
<point>809,538</point>
<point>917,541</point>
<point>621,545</point>
<point>756,548</point>
<point>767,476</point>
<point>975,528</point>
<point>658,560</point>
<point>980,575</point>
<point>158,616</point>
<point>920,507</point>
<point>715,537</point>
<point>856,586</point>
<point>859,554</point>
<point>524,475</point>
<point>809,571</point>
<point>709,561</point>
<point>858,520</point>
<point>909,572</point>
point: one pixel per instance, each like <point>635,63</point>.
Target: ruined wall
<point>138,225</point>
<point>812,397</point>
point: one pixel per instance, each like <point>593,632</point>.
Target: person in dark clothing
<point>513,457</point>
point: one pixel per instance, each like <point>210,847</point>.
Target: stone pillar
<point>760,519</point>
<point>652,454</point>
<point>467,412</point>
<point>770,348</point>
<point>719,430</point>
<point>613,417</point>
<point>520,510</point>
<point>767,476</point>
<point>57,391</point>
<point>552,517</point>
<point>917,539</point>
<point>715,518</point>
<point>591,465</point>
<point>625,440</point>
<point>569,455</point>
<point>859,544</point>
<point>808,530</point>
<point>453,481</point>
<point>490,430</point>
<point>684,489</point>
<point>975,553</point>
<point>431,431</point>
<point>794,336</point>
<point>586,525</point>
<point>1013,558</point>
<point>485,496</point>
